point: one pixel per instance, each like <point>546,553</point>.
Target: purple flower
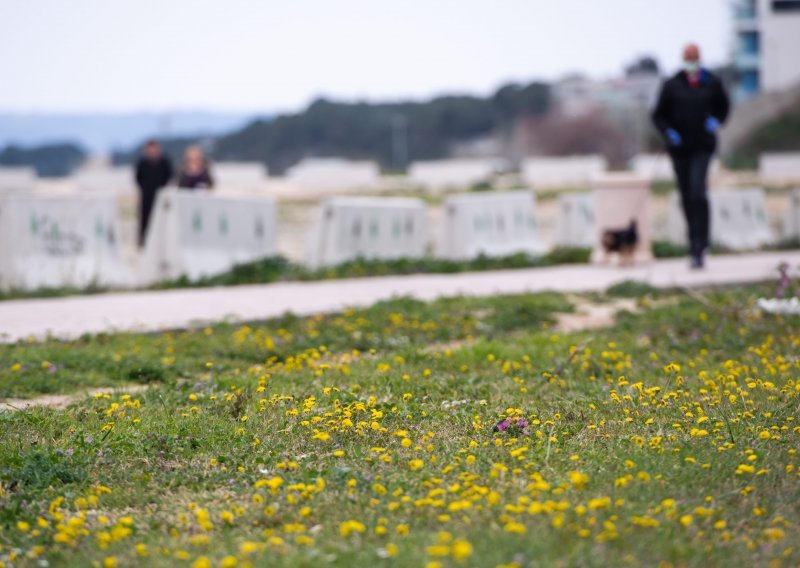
<point>784,280</point>
<point>513,426</point>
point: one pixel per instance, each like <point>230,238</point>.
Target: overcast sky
<point>274,55</point>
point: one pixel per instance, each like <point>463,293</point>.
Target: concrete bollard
<point>620,198</point>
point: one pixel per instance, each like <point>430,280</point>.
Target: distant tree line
<point>380,132</point>
<point>52,160</point>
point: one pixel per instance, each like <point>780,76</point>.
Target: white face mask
<point>691,66</point>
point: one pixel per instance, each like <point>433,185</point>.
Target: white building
<point>766,45</point>
<point>440,175</point>
<point>120,179</point>
<point>239,175</point>
<point>562,171</point>
<point>333,174</point>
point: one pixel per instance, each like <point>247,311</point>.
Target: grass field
<point>465,432</point>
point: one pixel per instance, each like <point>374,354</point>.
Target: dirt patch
<point>63,400</point>
<point>589,315</point>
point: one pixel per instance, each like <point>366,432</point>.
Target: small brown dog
<point>622,242</point>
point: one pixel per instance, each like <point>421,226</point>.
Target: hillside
<point>781,134</point>
<point>390,133</point>
<point>52,160</point>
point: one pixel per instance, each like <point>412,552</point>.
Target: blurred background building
<point>766,46</point>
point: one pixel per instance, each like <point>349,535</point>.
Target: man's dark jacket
<point>152,175</point>
<point>685,108</point>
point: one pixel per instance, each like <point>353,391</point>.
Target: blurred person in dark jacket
<point>153,171</point>
<point>691,108</point>
<point>194,172</point>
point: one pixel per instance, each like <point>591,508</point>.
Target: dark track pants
<point>691,171</point>
<point>146,200</point>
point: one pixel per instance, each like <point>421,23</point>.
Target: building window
<point>746,10</point>
<point>749,81</point>
<point>749,43</point>
<point>786,5</point>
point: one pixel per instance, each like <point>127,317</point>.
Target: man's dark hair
<point>151,142</point>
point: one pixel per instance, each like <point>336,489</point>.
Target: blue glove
<point>712,125</point>
<point>673,137</point>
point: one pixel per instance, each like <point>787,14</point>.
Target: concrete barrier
<point>620,198</point>
<point>440,175</point>
<point>382,228</point>
<point>198,233</point>
<point>246,176</point>
<point>60,241</point>
<point>738,219</point>
<point>15,179</point>
<point>562,172</point>
<point>489,224</point>
<point>779,168</point>
<point>791,219</point>
<point>333,174</point>
<point>575,225</point>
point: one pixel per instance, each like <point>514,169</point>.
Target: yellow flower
<point>110,562</point>
<point>273,483</point>
<point>201,562</point>
<point>773,534</point>
<point>438,550</point>
<point>461,549</point>
<point>578,479</point>
<point>515,528</point>
<point>348,527</point>
<point>23,526</point>
<point>248,547</point>
<point>599,503</point>
<point>414,465</point>
<point>321,436</point>
<point>687,520</point>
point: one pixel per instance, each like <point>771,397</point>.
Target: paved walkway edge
<point>171,309</point>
